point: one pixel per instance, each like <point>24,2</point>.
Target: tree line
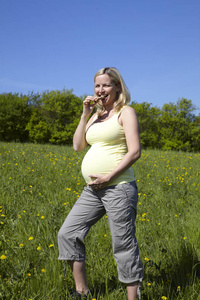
<point>52,117</point>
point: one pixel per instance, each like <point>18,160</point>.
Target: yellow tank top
<point>108,146</point>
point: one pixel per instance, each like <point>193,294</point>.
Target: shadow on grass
<point>178,270</point>
<point>179,267</point>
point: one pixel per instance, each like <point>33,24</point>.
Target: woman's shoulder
<point>127,113</point>
<point>126,110</point>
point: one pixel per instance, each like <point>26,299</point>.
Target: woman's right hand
<point>79,140</point>
<point>88,105</point>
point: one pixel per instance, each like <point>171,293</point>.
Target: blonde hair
<point>123,96</point>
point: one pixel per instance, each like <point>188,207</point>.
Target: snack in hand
<point>99,98</point>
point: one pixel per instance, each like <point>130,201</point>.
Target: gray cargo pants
<point>119,202</point>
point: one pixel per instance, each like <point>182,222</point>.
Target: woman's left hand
<point>99,182</point>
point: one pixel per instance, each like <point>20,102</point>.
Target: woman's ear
<point>118,87</point>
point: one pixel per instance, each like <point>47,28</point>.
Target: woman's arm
<point>128,119</point>
<point>79,140</point>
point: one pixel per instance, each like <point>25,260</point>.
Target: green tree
<point>178,126</point>
<point>15,113</point>
<point>55,117</point>
<point>38,127</point>
<point>62,110</point>
<point>148,118</point>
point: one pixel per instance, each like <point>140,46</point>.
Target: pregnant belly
<point>99,161</point>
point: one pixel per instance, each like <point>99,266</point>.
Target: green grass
<point>39,185</point>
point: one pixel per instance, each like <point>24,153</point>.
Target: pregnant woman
<point>113,134</point>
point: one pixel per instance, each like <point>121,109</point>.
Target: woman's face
<point>104,86</point>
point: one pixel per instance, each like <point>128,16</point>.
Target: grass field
<point>39,185</point>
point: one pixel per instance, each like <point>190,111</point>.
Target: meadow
<point>38,187</point>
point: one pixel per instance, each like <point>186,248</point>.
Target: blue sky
<point>51,45</point>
